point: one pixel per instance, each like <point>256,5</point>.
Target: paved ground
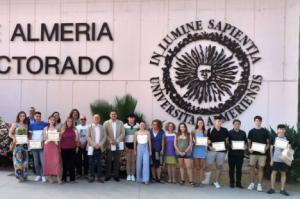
<point>11,189</point>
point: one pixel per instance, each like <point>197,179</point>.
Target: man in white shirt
<point>115,132</point>
<point>81,155</point>
<point>96,138</point>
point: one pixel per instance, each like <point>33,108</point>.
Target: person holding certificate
<point>217,139</point>
<point>142,149</point>
<point>68,144</point>
<point>36,145</point>
<point>258,140</point>
<point>20,149</point>
<point>277,146</point>
<point>157,146</point>
<point>238,144</point>
<point>52,162</point>
<point>81,156</point>
<point>170,156</point>
<point>183,143</point>
<point>130,128</point>
<point>199,135</point>
<point>115,132</point>
<point>96,138</point>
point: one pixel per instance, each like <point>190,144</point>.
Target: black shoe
<point>239,186</point>
<point>91,180</point>
<point>284,192</point>
<point>107,179</point>
<point>231,185</point>
<point>100,180</point>
<point>117,179</point>
<point>271,191</point>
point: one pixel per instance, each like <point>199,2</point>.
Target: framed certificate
<point>219,146</point>
<point>238,145</point>
<point>90,150</point>
<point>53,136</point>
<point>21,139</point>
<point>281,143</point>
<point>201,141</point>
<point>35,144</point>
<point>258,147</point>
<point>113,147</point>
<point>129,138</point>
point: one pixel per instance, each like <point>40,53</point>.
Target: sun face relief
<point>204,72</point>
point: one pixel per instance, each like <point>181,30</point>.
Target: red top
<point>68,139</point>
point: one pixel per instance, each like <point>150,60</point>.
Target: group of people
<point>75,148</point>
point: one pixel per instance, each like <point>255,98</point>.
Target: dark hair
<point>179,132</point>
<point>257,117</point>
<point>72,111</point>
<point>168,124</point>
<point>159,124</point>
<point>218,117</point>
<point>236,120</point>
<point>59,120</point>
<point>132,115</point>
<point>18,118</point>
<point>37,113</point>
<point>200,119</point>
<point>281,126</point>
<point>113,111</point>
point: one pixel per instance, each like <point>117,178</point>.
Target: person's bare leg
<point>218,173</point>
<point>173,170</point>
<point>181,166</point>
<point>273,179</point>
<point>260,174</point>
<point>189,165</point>
<point>201,169</point>
<point>169,172</point>
<point>158,173</point>
<point>196,169</point>
<point>252,172</point>
<point>153,173</point>
<point>282,180</point>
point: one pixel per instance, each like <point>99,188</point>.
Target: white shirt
<point>97,133</point>
<point>82,131</point>
<point>114,128</point>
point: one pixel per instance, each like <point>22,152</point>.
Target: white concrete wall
<point>137,27</point>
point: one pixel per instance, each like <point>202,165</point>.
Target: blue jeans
<point>142,163</point>
<point>38,161</point>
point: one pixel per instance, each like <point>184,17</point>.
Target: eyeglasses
<point>82,119</point>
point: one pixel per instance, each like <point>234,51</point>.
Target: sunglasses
<point>82,119</point>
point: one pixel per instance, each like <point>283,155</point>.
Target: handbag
<point>287,156</point>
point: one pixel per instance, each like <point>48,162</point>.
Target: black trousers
<point>95,160</point>
<point>68,160</point>
<point>235,168</point>
<point>115,155</point>
<point>82,161</point>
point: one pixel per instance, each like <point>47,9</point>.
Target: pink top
<point>68,139</point>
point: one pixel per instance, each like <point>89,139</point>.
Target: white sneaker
<point>133,178</point>
<point>251,186</point>
<point>217,185</point>
<point>128,178</point>
<point>206,178</point>
<point>37,178</point>
<point>44,179</point>
<point>259,188</point>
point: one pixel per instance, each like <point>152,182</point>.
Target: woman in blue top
<point>157,143</point>
<point>199,151</point>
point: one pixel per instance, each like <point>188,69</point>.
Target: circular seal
<point>206,73</point>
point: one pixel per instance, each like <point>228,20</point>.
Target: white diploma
<point>53,136</point>
<point>201,141</point>
<point>121,146</point>
<point>219,146</point>
<point>238,145</point>
<point>129,138</point>
<point>258,147</point>
<point>21,139</point>
<point>113,147</point>
<point>35,144</point>
<point>90,150</point>
<point>142,139</point>
<point>281,143</point>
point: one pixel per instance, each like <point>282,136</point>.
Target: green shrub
<point>123,105</point>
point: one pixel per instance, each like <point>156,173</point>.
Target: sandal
<point>181,182</point>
